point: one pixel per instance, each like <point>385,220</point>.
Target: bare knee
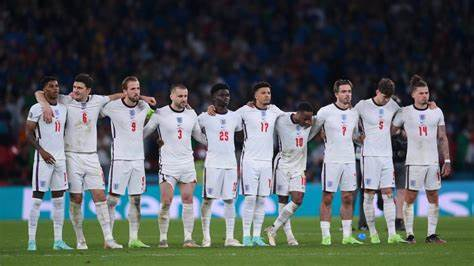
<point>76,198</point>
<point>347,198</point>
<point>432,196</point>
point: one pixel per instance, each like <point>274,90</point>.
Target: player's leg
<point>187,192</point>
<point>75,173</point>
<point>59,184</point>
<point>136,187</point>
<point>330,174</point>
<point>212,182</point>
<point>432,186</point>
<point>372,171</point>
<point>414,180</point>
<point>264,188</point>
<point>348,185</point>
<point>119,175</point>
<point>94,183</point>
<point>281,184</point>
<point>228,194</point>
<point>167,184</point>
<point>248,188</point>
<point>40,183</point>
<point>400,197</point>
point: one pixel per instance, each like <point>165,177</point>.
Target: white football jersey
<point>176,129</point>
<point>376,122</point>
<point>220,130</point>
<point>421,127</point>
<point>339,126</point>
<point>258,126</point>
<point>81,126</point>
<point>127,124</point>
<point>50,136</point>
<point>292,140</point>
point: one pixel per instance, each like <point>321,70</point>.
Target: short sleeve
<point>35,113</point>
<point>398,120</point>
<point>441,118</point>
<point>238,122</point>
<point>358,107</point>
<point>103,100</point>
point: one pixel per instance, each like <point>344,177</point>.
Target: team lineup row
<point>63,130</point>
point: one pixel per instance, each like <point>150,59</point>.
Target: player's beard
<point>135,99</point>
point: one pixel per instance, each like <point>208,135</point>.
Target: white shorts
<point>127,174</point>
<point>377,172</point>
<point>188,176</point>
<point>419,176</point>
<point>84,172</point>
<point>220,183</point>
<point>49,176</point>
<point>256,178</point>
<point>286,181</point>
<point>341,175</point>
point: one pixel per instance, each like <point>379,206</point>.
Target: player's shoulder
<point>36,108</point>
<point>96,98</point>
<point>274,108</point>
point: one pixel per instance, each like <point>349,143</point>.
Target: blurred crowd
<point>299,46</point>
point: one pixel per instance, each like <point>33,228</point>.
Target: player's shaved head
<point>179,96</point>
<point>175,87</point>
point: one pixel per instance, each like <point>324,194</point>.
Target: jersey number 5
<point>381,124</point>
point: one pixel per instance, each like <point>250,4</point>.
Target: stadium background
<point>300,47</point>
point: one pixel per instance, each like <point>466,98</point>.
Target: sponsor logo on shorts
<point>329,183</point>
<point>412,183</point>
<point>42,183</point>
<point>209,190</point>
<point>116,186</point>
<point>247,187</point>
<point>367,181</point>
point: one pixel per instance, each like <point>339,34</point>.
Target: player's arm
<point>151,126</point>
<point>47,111</point>
<point>30,136</point>
<point>397,123</point>
<point>198,134</point>
<point>443,147</point>
<point>314,129</point>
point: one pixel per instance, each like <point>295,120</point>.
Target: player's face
<point>80,91</point>
<point>263,95</point>
<point>304,118</point>
<point>51,90</point>
<point>133,91</point>
<point>421,95</point>
<point>179,97</point>
<point>222,98</point>
<point>382,98</point>
<point>345,94</point>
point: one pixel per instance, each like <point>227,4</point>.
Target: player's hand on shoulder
<point>48,115</point>
<point>149,100</point>
<point>47,157</point>
<point>211,110</point>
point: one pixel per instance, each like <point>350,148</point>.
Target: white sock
<point>58,217</point>
<point>389,212</point>
<point>112,202</point>
<point>229,215</point>
<point>188,220</point>
<point>33,218</point>
<point>369,212</point>
<point>346,228</point>
<point>284,215</point>
<point>408,213</point>
<point>164,221</point>
<point>433,213</point>
<point>287,224</point>
<point>104,219</point>
<point>133,217</point>
<point>206,218</point>
<point>258,216</point>
<point>325,226</point>
<point>75,214</point>
<point>247,215</point>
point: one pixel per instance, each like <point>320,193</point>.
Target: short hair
<point>178,86</point>
<point>339,83</point>
<point>45,79</point>
<point>417,81</point>
<point>86,79</point>
<point>386,86</point>
<point>305,107</point>
<point>261,84</point>
<point>219,86</point>
<point>126,80</point>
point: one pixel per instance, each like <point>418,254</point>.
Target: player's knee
<point>188,199</point>
<point>283,199</point>
<point>57,194</point>
<point>298,200</point>
<point>76,198</point>
<point>432,196</point>
<point>327,199</point>
<point>112,201</point>
<point>38,194</point>
<point>135,200</point>
<point>347,198</point>
<point>98,195</point>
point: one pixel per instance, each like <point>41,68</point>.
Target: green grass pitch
<point>459,232</point>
